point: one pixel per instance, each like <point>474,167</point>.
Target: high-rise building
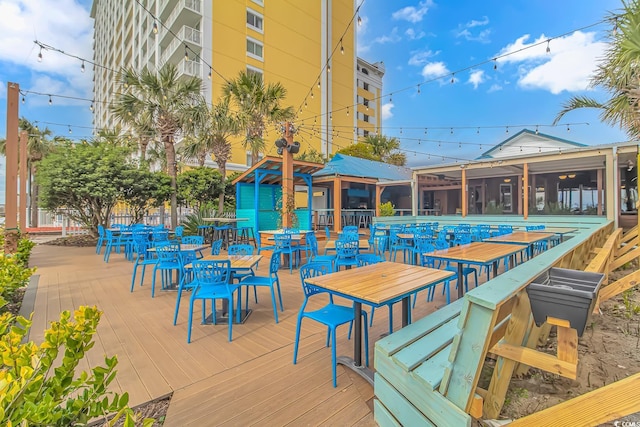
<point>308,46</point>
<point>369,83</point>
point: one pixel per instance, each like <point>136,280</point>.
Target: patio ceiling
<point>273,165</point>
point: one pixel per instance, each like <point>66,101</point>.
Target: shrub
<point>37,387</point>
<point>387,209</point>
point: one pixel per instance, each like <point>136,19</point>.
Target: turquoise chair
<point>102,235</point>
<point>346,252</point>
<point>284,245</point>
<point>169,260</point>
<point>312,243</point>
<point>143,257</point>
<point>331,315</point>
<point>270,281</point>
<point>216,247</point>
<point>212,283</point>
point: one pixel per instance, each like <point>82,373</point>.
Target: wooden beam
<point>464,193</point>
<point>626,248</point>
<point>628,257</point>
<point>599,186</point>
<point>619,286</point>
<point>337,204</point>
<point>288,197</point>
<point>535,359</point>
<point>630,234</point>
<point>599,406</point>
<point>11,177</point>
<point>599,264</point>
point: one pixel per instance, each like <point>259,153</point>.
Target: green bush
<point>13,276</point>
<point>40,388</point>
<point>387,209</point>
<point>24,251</point>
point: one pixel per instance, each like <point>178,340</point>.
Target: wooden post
<point>288,201</point>
<point>599,187</point>
<point>637,186</point>
<point>337,204</point>
<point>464,194</point>
<point>525,191</point>
<point>379,190</point>
<point>11,185</point>
<point>24,139</point>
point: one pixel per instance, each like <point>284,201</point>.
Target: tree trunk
<point>172,167</point>
<point>33,194</point>
<point>144,143</point>
<point>223,171</point>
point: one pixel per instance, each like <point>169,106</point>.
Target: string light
<point>341,47</point>
<point>568,129</point>
<point>40,55</point>
<point>311,94</point>
<point>328,68</point>
<point>548,47</point>
<point>186,53</point>
<point>359,21</point>
<point>451,131</point>
<point>495,63</point>
<point>91,106</point>
<point>155,27</point>
<point>348,114</point>
<point>23,99</point>
<point>453,78</point>
<point>536,129</point>
<point>418,89</point>
<point>50,100</point>
<point>70,130</point>
<point>82,67</point>
<point>210,71</point>
<point>391,97</point>
<point>507,129</point>
<point>318,84</point>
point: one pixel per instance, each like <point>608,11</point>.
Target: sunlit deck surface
<point>251,380</point>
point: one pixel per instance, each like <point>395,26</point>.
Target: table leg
<point>405,311</point>
<point>495,269</point>
<point>357,333</point>
<point>461,282</point>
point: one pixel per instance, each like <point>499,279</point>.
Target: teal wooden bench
<point>427,373</point>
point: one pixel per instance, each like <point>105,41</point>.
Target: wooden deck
<point>251,380</point>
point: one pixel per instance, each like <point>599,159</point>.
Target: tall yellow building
<point>308,46</point>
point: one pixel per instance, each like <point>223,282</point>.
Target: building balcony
<point>175,50</point>
<point>189,68</point>
<point>186,12</point>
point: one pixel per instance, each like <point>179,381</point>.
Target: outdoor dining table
<point>478,253</point>
<point>238,262</point>
<point>363,244</point>
<point>559,231</point>
<point>526,238</point>
<point>377,285</point>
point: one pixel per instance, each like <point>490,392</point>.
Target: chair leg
<point>230,318</point>
<point>190,320</point>
<point>279,294</point>
<point>175,315</point>
<point>390,318</point>
<point>133,277</point>
<point>333,358</point>
<point>297,340</point>
<point>273,302</point>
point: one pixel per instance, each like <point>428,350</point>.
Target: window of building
<point>365,118</point>
<point>365,102</point>
<point>254,70</point>
<point>254,49</point>
<point>365,133</point>
<point>365,85</point>
<point>249,158</point>
<point>365,71</point>
<point>260,2</point>
<point>254,20</point>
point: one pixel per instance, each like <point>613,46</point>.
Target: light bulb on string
<point>40,55</point>
<point>341,47</point>
<point>82,67</point>
<point>425,131</point>
<point>50,100</point>
<point>418,89</point>
<point>453,78</point>
<point>311,94</point>
<point>347,111</point>
<point>69,130</point>
<point>507,129</point>
<point>91,106</point>
<point>328,68</point>
<point>23,99</point>
<point>536,129</point>
<point>568,129</point>
<point>478,131</point>
<point>521,148</point>
<point>495,63</point>
<point>548,47</point>
<point>359,21</point>
<point>186,53</point>
<point>318,84</point>
<point>210,71</point>
<point>155,27</point>
<point>459,144</point>
<point>400,131</point>
<point>390,97</point>
<point>451,131</point>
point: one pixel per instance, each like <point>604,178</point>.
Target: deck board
<point>251,380</point>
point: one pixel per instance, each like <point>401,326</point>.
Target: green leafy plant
<point>287,211</point>
<point>39,384</point>
<point>24,251</point>
<point>387,209</point>
<point>494,209</point>
<point>13,276</point>
<point>631,308</point>
<point>194,220</point>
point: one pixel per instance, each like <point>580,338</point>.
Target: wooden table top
<point>476,252</point>
<point>237,261</point>
<point>555,230</point>
<point>362,244</point>
<point>380,283</point>
<point>272,232</point>
<point>186,248</point>
<point>521,237</point>
<point>225,219</point>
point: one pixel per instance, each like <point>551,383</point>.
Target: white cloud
<point>494,88</point>
<point>420,57</point>
<point>3,89</point>
<point>411,13</point>
<point>434,70</point>
<point>386,110</point>
<point>363,26</point>
<point>567,67</point>
<point>67,27</point>
<point>393,37</point>
<point>476,77</point>
<point>482,37</point>
<point>412,35</point>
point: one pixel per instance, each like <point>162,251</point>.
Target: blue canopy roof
<point>342,165</point>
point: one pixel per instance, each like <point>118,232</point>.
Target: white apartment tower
<point>127,35</point>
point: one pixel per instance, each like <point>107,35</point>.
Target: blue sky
<point>417,41</point>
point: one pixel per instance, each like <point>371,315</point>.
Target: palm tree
<point>160,101</point>
<point>259,105</point>
<point>213,128</point>
<point>386,149</point>
<point>618,74</point>
<point>38,145</point>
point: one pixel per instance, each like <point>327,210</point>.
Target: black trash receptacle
<point>564,294</point>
